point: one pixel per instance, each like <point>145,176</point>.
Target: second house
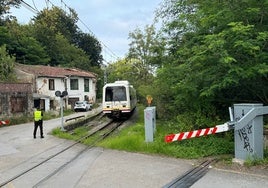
<point>46,80</point>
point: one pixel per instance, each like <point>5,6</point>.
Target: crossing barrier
<point>247,122</point>
<point>197,133</point>
<point>6,122</point>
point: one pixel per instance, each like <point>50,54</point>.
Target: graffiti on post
<point>244,136</point>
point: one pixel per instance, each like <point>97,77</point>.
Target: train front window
<point>116,93</point>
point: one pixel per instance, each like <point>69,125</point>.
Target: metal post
<point>61,110</point>
<point>249,131</point>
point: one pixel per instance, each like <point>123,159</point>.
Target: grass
<point>132,139</point>
<point>75,135</point>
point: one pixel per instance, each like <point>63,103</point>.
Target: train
<point>119,99</point>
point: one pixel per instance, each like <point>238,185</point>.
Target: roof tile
<point>40,70</point>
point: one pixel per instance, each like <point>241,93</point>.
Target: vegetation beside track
<point>132,139</point>
<point>15,120</point>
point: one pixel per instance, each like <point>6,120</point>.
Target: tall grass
<point>132,139</point>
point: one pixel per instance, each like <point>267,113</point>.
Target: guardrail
<point>74,118</point>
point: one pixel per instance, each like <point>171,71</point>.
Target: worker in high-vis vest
<point>38,122</point>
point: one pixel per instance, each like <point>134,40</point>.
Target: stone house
<point>46,80</point>
<point>15,98</point>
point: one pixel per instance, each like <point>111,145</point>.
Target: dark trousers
<point>36,125</point>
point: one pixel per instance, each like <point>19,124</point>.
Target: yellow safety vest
<point>37,115</point>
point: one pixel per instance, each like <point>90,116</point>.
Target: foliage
<point>6,65</point>
<point>52,37</point>
<point>93,51</point>
<point>65,44</point>
<point>147,46</point>
<point>132,139</point>
<point>5,7</point>
<point>217,57</point>
<point>133,71</point>
<point>56,21</point>
<point>144,55</point>
<point>59,133</point>
<point>26,118</point>
<point>26,48</point>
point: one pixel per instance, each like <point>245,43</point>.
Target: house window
<point>74,84</point>
<point>18,104</point>
<point>86,85</point>
<point>51,84</point>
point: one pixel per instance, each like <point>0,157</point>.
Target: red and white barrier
<point>197,133</point>
<point>4,122</point>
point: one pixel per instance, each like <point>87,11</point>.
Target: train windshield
<point>115,93</point>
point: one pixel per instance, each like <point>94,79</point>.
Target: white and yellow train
<point>119,99</point>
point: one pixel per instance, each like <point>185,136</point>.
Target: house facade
<point>46,80</point>
<point>15,98</point>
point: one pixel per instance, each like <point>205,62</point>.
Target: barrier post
<point>249,135</point>
<point>6,122</point>
<point>150,124</point>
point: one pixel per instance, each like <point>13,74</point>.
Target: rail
<point>190,177</point>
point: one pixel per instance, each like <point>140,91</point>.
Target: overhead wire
<point>35,6</point>
<point>29,7</point>
<point>112,54</point>
<point>35,10</point>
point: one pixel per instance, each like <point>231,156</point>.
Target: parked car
<point>82,105</point>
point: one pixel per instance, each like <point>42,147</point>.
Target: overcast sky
<point>109,20</point>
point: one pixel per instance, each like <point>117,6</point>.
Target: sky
<point>109,20</point>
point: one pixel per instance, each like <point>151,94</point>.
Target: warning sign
<point>149,99</point>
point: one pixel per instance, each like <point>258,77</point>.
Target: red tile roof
<point>15,87</point>
<point>48,71</point>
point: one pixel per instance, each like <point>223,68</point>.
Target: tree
<point>6,65</point>
<point>133,71</point>
<point>49,24</point>
<point>26,48</point>
<point>57,21</point>
<point>219,55</point>
<point>91,47</point>
<point>54,25</point>
<point>69,55</point>
<point>147,47</point>
<point>5,7</point>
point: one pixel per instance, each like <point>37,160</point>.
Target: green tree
<point>91,47</point>
<point>69,55</point>
<point>217,57</point>
<point>5,7</point>
<point>52,26</point>
<point>148,48</point>
<point>133,71</point>
<point>6,65</point>
<point>56,21</point>
<point>5,37</point>
<point>47,25</point>
<point>26,48</point>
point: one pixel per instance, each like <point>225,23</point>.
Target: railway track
<point>49,162</point>
<point>190,177</point>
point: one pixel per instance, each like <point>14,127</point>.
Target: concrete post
<point>150,124</point>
